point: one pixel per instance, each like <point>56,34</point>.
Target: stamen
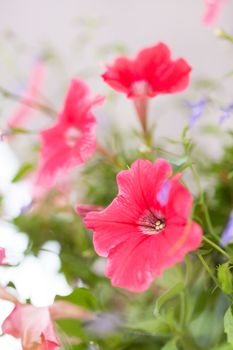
<point>152,223</point>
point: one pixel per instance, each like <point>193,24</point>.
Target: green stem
<point>28,102</point>
<point>207,268</point>
<point>216,247</point>
<point>188,343</point>
<point>109,157</point>
<point>202,202</point>
<point>182,309</point>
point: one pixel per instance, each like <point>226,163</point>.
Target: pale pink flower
<point>31,93</point>
<point>212,11</point>
<point>33,325</point>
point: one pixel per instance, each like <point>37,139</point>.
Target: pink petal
<point>63,309</point>
<point>33,325</point>
<point>120,75</point>
<point>2,255</point>
<point>130,265</point>
<point>176,242</point>
<point>179,203</point>
<point>84,209</point>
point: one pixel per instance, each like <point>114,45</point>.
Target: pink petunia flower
<point>31,93</point>
<point>2,255</point>
<point>151,73</point>
<point>71,141</point>
<point>146,229</point>
<point>212,11</point>
<point>33,325</point>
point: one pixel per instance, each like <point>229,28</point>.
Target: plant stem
<point>28,102</point>
<point>202,202</point>
<point>207,268</point>
<point>188,343</point>
<point>216,247</point>
<point>108,156</point>
<point>141,106</point>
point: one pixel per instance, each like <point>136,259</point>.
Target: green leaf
<point>225,278</point>
<point>224,347</point>
<point>228,325</point>
<point>153,326</point>
<point>71,327</point>
<point>171,293</point>
<point>24,170</point>
<point>171,345</point>
<point>82,297</point>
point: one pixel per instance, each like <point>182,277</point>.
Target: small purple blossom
<point>196,111</point>
<point>227,236</point>
<point>226,113</point>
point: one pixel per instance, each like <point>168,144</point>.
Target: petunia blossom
<point>147,227</point>
<point>2,255</point>
<point>33,325</point>
<point>71,141</point>
<point>212,11</point>
<point>151,73</point>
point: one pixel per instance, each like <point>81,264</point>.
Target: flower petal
<point>130,265</point>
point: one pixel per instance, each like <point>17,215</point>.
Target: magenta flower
<point>72,140</point>
<point>151,73</point>
<point>147,227</point>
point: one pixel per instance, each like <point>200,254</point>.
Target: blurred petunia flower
<point>151,73</point>
<point>227,236</point>
<point>33,325</point>
<point>226,113</point>
<point>212,11</point>
<point>72,140</point>
<point>196,111</point>
<point>31,93</point>
<point>144,231</point>
<point>2,255</point>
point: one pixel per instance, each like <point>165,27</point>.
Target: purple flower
<point>196,110</point>
<point>226,113</point>
<point>227,236</point>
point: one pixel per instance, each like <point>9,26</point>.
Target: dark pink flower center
<point>71,136</point>
<point>152,222</point>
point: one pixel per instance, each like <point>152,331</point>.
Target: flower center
<point>71,136</point>
<point>141,87</point>
<point>152,223</point>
